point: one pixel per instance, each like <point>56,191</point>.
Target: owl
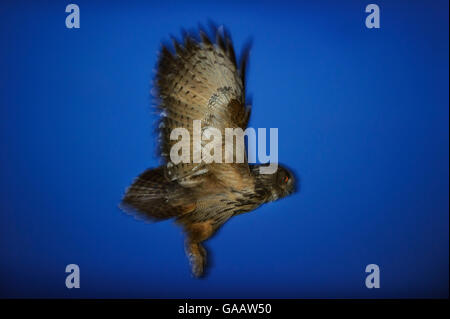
<point>200,79</point>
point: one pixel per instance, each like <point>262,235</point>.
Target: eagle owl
<point>200,79</point>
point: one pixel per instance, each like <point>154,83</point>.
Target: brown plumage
<point>201,80</point>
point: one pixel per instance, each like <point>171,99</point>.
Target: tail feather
<point>153,197</point>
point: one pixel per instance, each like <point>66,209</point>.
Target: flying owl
<point>200,79</point>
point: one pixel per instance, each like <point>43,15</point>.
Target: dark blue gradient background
<point>363,118</point>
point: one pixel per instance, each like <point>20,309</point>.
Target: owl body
<point>202,81</point>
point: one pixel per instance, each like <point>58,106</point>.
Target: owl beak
<point>295,187</point>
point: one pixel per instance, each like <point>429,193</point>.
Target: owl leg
<point>196,234</point>
<point>197,258</point>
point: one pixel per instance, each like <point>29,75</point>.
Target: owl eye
<point>286,179</point>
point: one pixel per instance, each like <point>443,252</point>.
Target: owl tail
<point>152,197</point>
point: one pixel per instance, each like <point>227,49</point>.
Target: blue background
<point>363,118</point>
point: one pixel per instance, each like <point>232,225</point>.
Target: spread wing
<point>201,80</point>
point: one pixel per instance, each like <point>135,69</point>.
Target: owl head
<point>277,185</point>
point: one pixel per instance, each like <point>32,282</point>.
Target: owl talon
<point>197,258</point>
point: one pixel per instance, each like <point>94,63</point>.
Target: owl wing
<point>202,81</point>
